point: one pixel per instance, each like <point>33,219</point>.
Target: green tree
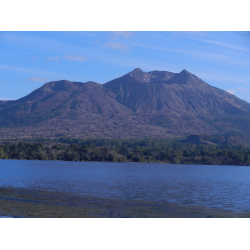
<point>41,145</point>
<point>71,156</point>
<point>74,147</point>
<point>21,145</point>
<point>137,151</point>
<point>123,149</point>
<point>104,152</point>
<point>2,154</point>
<point>59,147</point>
<point>239,157</point>
<point>130,157</point>
<point>247,158</point>
<point>111,157</point>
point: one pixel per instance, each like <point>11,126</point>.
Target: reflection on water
<point>212,186</point>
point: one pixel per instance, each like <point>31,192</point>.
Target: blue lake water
<point>212,186</point>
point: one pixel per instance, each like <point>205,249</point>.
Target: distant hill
<point>136,105</point>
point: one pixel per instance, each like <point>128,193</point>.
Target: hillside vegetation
<point>131,150</point>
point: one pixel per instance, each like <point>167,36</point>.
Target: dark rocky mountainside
<point>169,92</point>
<point>136,105</point>
<point>61,99</point>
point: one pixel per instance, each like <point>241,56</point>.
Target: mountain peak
<point>135,72</point>
<point>140,76</point>
<point>184,74</point>
<point>58,85</point>
<point>184,71</point>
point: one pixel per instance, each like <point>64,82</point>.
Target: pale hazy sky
<point>30,59</point>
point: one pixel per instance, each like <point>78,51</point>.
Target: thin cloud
<point>206,55</point>
<point>44,43</point>
<point>55,58</point>
<point>227,45</point>
<point>231,91</point>
<point>145,65</point>
<point>33,58</point>
<point>218,75</point>
<point>241,92</point>
<point>242,89</point>
<point>75,58</point>
<point>91,34</point>
<point>223,77</point>
<point>116,46</point>
<point>195,54</point>
<point>123,34</point>
<point>23,69</point>
<point>202,33</point>
<point>14,68</point>
<point>37,79</point>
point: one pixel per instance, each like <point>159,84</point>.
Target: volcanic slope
<point>136,105</point>
<point>64,108</point>
<point>182,102</point>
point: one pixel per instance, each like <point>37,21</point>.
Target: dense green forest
<point>129,150</point>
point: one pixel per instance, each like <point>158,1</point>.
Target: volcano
<point>136,105</point>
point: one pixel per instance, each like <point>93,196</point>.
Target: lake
<point>226,187</point>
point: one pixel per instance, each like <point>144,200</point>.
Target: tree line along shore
<point>172,151</point>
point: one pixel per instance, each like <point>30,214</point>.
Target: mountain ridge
<point>136,105</point>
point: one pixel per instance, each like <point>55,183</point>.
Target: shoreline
<point>132,162</point>
<point>30,203</point>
